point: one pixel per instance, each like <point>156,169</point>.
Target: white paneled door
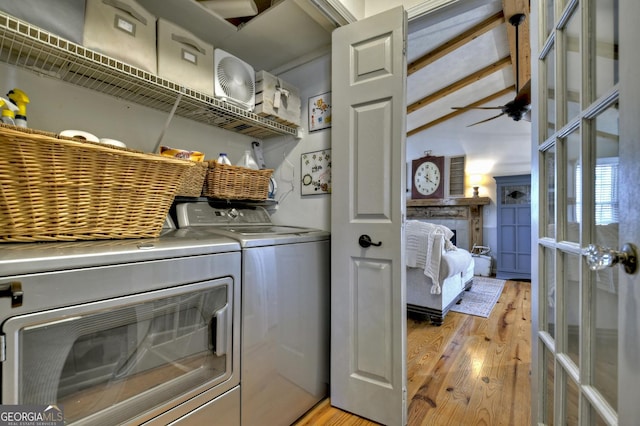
<point>368,313</point>
<point>586,314</point>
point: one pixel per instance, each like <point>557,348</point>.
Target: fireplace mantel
<point>469,209</point>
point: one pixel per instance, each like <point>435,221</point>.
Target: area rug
<point>481,298</point>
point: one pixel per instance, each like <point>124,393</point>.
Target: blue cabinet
<point>513,256</point>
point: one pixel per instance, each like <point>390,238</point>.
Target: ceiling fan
<point>520,106</point>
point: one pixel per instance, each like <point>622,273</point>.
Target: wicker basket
<point>193,182</point>
<point>236,183</point>
<point>54,189</point>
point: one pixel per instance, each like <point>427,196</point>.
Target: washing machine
<point>284,351</point>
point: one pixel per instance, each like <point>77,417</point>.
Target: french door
<point>586,315</point>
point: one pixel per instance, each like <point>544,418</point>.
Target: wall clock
<point>428,177</point>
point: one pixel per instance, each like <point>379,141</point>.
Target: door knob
<point>598,257</point>
<point>365,241</point>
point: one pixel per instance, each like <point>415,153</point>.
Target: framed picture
<point>316,172</point>
<point>320,112</point>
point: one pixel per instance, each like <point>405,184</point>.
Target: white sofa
<point>438,273</point>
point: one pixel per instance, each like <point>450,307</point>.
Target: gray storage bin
<point>122,29</point>
<point>64,18</point>
<point>184,58</point>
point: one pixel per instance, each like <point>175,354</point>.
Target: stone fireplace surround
<point>464,215</point>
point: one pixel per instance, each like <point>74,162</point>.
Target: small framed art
<point>316,172</point>
<point>320,112</point>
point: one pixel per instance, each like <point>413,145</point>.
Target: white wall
<point>283,153</point>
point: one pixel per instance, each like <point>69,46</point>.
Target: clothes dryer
<point>126,331</point>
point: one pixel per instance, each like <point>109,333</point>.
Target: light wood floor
<point>469,371</point>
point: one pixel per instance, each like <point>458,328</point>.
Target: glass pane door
<point>576,329</point>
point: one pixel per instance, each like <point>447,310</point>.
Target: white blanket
<point>423,248</point>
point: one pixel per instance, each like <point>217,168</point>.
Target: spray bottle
<point>8,111</point>
<point>19,98</point>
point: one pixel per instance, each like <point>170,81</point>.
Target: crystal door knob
<point>598,257</point>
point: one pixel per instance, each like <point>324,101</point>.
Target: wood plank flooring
<point>469,371</point>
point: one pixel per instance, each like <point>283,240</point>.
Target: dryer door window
<point>109,361</point>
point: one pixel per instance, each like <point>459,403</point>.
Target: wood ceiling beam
<point>478,75</point>
<point>455,113</point>
<point>510,8</point>
<point>456,42</point>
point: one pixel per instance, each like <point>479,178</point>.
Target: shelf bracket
<point>169,118</point>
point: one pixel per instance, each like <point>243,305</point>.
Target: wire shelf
<point>29,47</point>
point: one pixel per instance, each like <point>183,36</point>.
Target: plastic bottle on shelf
<point>9,110</point>
<point>19,99</point>
<point>248,161</point>
<point>223,159</point>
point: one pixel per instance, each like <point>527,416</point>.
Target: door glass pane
<point>572,298</point>
<point>574,186</point>
<point>549,16</point>
<point>549,291</point>
<point>596,420</point>
<point>573,63</point>
<point>550,70</point>
<point>606,177</point>
<point>606,18</point>
<point>605,356</point>
<point>516,194</point>
<point>571,402</point>
<point>114,363</point>
<point>606,234</point>
<point>562,3</point>
<point>550,188</point>
<point>549,383</point>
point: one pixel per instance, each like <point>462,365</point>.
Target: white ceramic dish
<point>80,134</point>
<point>113,142</point>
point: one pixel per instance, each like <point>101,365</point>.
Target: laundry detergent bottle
<point>20,99</point>
<point>9,110</point>
<point>223,159</point>
<point>248,161</point>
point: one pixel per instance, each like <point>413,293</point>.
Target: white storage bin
<point>123,30</point>
<point>482,265</point>
<point>184,58</point>
<point>64,18</point>
<point>273,103</point>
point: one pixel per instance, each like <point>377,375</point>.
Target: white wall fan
<point>234,80</point>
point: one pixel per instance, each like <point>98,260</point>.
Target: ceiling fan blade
<point>468,108</point>
<point>488,119</point>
